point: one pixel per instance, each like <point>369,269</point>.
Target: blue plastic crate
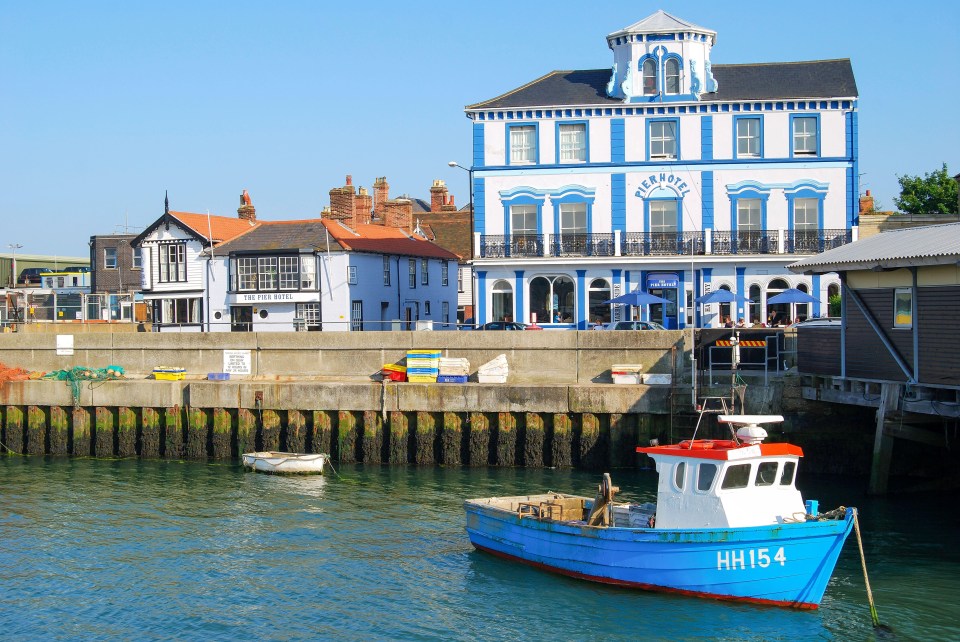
<point>451,378</point>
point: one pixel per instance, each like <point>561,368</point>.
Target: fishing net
<point>8,373</point>
<point>77,375</point>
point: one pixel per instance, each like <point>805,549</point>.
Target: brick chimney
<point>362,208</point>
<point>398,213</point>
<point>341,202</point>
<point>866,203</point>
<point>246,211</point>
<point>381,194</point>
<point>438,195</point>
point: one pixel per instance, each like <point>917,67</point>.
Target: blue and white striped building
<point>664,172</point>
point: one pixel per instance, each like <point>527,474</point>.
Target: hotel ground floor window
<point>502,301</point>
<point>308,316</point>
<point>778,313</point>
<point>177,311</point>
<point>553,299</point>
<point>725,308</point>
<point>754,306</point>
<point>599,292</point>
<point>356,316</point>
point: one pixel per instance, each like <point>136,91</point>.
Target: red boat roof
<point>720,449</point>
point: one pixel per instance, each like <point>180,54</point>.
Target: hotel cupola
<point>661,58</point>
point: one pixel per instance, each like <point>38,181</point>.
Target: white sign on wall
<point>64,345</point>
<point>236,362</point>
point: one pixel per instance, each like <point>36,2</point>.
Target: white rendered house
<point>665,173</point>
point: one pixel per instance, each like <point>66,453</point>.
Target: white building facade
<point>664,173</point>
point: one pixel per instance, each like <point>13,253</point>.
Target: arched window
<point>778,313</point>
<point>599,292</point>
<point>672,76</point>
<point>649,77</point>
<point>833,300</point>
<point>502,301</point>
<point>553,297</point>
<point>725,307</point>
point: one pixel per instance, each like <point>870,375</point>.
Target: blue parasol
<point>636,298</point>
<point>792,295</point>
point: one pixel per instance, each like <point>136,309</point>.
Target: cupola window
<point>649,77</point>
<point>672,69</point>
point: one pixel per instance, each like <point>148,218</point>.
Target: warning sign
<point>236,362</point>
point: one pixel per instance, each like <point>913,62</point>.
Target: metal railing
<point>816,241</point>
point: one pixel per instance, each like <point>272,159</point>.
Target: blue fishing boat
<point>728,523</point>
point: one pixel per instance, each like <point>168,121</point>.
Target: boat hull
<point>280,463</point>
<point>782,564</point>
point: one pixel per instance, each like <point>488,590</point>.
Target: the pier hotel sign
<point>654,182</point>
<point>274,297</point>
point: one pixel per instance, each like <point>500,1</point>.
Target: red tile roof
<point>379,239</point>
<point>223,228</point>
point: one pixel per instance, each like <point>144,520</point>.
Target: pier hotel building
<point>663,172</point>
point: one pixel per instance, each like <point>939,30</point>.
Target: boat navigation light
<point>751,434</point>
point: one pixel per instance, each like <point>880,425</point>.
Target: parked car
<point>502,325</point>
<point>634,325</point>
<point>31,276</point>
<point>77,268</point>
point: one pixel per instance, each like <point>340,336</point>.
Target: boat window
<point>766,473</point>
<point>705,476</point>
<point>786,478</point>
<point>681,473</point>
<point>736,477</point>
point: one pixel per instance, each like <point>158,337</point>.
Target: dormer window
<point>649,77</point>
<point>672,76</point>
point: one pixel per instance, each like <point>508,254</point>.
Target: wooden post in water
<point>221,435</point>
<point>14,440</point>
<point>479,444</point>
<point>561,447</point>
<point>81,432</point>
<point>270,430</point>
<point>883,443</point>
<point>451,439</point>
<point>346,437</point>
<point>149,433</point>
<point>59,431</point>
<point>322,432</point>
<point>506,439</point>
<point>36,431</point>
<point>246,431</point>
<point>399,437</point>
<point>591,448</point>
<point>372,444</point>
<point>533,440</point>
<point>104,433</point>
<point>424,437</point>
<point>173,433</point>
<point>126,432</point>
<point>623,442</point>
<point>197,433</point>
<point>295,435</point>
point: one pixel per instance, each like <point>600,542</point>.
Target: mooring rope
<point>866,580</point>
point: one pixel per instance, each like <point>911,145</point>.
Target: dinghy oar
<point>866,580</point>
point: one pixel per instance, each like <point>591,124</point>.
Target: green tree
<point>934,193</point>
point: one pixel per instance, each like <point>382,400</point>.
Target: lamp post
<point>473,289</point>
<point>13,268</point>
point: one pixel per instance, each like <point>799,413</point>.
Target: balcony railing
<point>723,242</point>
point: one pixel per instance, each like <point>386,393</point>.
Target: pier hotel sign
<point>273,297</point>
<point>655,182</point>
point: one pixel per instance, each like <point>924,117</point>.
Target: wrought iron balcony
<point>583,245</point>
<point>662,243</point>
<point>504,246</point>
<point>816,241</point>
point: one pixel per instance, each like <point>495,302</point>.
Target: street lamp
<point>473,289</point>
<point>13,276</point>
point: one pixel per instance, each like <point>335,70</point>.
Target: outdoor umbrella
<point>636,298</point>
<point>792,295</point>
<point>718,296</point>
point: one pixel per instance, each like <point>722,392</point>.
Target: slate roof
<point>282,235</point>
<point>379,239</point>
<point>763,81</point>
<point>929,245</point>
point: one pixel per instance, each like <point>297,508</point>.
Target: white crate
<point>657,379</point>
<point>484,378</point>
<point>627,378</point>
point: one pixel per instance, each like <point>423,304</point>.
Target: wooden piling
<point>59,442</point>
<point>126,432</point>
<point>149,433</point>
<point>346,437</point>
<point>14,429</point>
<point>104,433</point>
<point>426,433</point>
<point>269,430</point>
<point>399,437</point>
<point>506,439</point>
<point>622,441</point>
<point>322,432</point>
<point>478,450</point>
<point>220,438</point>
<point>197,433</point>
<point>371,444</point>
<point>36,431</point>
<point>81,432</point>
<point>295,434</point>
<point>533,440</point>
<point>246,431</point>
<point>173,433</point>
<point>561,446</point>
<point>451,439</point>
<point>591,447</point>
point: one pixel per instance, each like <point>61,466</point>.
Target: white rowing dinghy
<point>286,463</point>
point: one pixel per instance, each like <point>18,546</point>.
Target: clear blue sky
<point>104,105</point>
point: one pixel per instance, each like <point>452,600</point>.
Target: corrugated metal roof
<point>930,245</point>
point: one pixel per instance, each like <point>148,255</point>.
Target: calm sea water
<point>151,550</point>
